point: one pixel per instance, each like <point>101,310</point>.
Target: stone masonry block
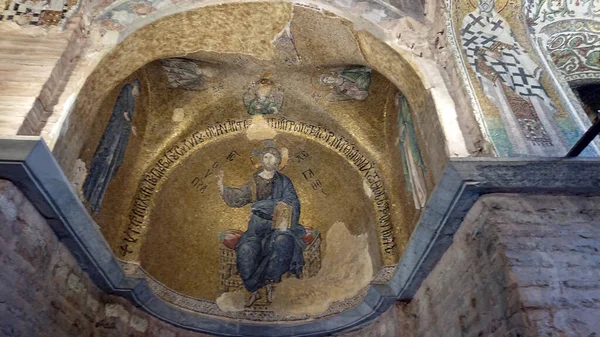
<point>138,323</point>
<point>116,310</point>
<point>518,266</point>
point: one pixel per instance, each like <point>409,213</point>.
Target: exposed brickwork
<point>34,66</point>
<point>552,247</point>
<point>26,65</point>
<point>43,292</point>
<point>468,293</point>
<point>519,266</point>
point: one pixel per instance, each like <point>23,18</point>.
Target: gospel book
<point>282,216</point>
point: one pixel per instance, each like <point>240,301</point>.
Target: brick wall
<point>552,247</point>
<point>519,266</point>
<point>43,292</point>
<point>34,65</point>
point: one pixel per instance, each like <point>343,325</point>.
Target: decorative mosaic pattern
<point>542,12</point>
<point>286,48</point>
<point>263,97</point>
<point>578,25</point>
<point>38,13</point>
<point>187,74</point>
<point>349,303</point>
<point>412,158</point>
<point>576,54</point>
<point>511,80</point>
<point>575,48</point>
<point>385,275</point>
<point>210,308</point>
<point>515,109</point>
<point>344,83</point>
<point>569,31</point>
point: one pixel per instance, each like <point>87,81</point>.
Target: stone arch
<point>245,24</point>
<point>111,43</point>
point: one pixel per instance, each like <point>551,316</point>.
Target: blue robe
<point>111,149</point>
<point>265,254</point>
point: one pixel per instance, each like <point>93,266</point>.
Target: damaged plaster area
<point>259,129</point>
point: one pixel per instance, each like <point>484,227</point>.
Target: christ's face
<point>329,80</point>
<point>269,162</point>
<point>486,6</point>
<point>135,91</point>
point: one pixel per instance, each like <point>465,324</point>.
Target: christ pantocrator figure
<point>272,245</point>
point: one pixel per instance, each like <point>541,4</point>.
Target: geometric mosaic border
<point>37,13</point>
<point>384,275</point>
<point>210,308</point>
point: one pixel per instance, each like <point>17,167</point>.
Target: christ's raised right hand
<point>220,181</point>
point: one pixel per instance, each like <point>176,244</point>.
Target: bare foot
<point>269,293</point>
<point>255,296</point>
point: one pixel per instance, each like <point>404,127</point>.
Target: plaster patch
<point>123,17</point>
<point>8,208</point>
<point>375,15</point>
<point>75,283</point>
<point>383,330</point>
<point>130,268</point>
<point>344,272</point>
<point>232,301</point>
<point>178,115</point>
<point>345,3</point>
<point>367,189</point>
<point>260,129</point>
<point>165,333</point>
<point>138,323</point>
<point>92,304</point>
<point>111,38</point>
<point>78,176</point>
<point>116,310</point>
<point>61,272</point>
<point>162,4</point>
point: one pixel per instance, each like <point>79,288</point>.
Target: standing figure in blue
<point>111,149</point>
<point>272,245</point>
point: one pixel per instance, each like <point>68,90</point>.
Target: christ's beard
<point>268,167</point>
